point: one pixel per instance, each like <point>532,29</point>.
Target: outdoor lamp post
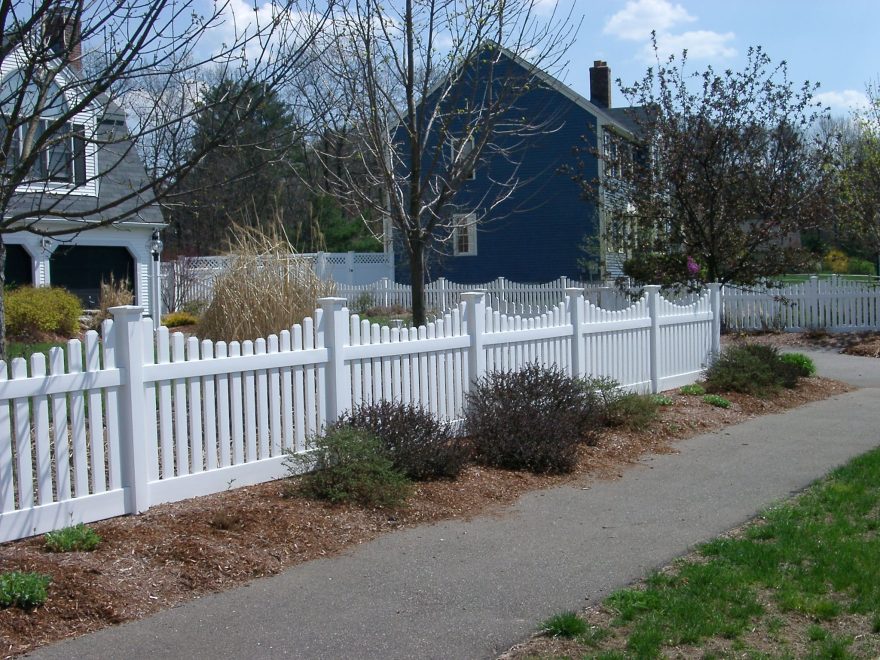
<point>156,295</point>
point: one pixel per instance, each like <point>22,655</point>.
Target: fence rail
<point>131,418</point>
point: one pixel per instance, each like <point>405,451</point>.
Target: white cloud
<point>544,7</point>
<point>700,45</point>
<point>845,100</point>
<point>639,17</point>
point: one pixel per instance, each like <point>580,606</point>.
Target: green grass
<point>77,538</point>
<point>818,558</point>
<point>565,624</point>
<point>694,389</point>
<point>24,350</point>
<point>23,590</point>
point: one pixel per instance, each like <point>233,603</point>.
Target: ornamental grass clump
<point>77,538</point>
<point>419,445</point>
<point>265,289</point>
<point>532,419</point>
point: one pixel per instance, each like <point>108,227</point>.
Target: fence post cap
<point>714,286</point>
<point>126,312</point>
<point>652,288</point>
<point>332,303</point>
<point>476,296</point>
<point>574,291</point>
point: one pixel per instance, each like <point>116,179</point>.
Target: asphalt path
<point>471,589</point>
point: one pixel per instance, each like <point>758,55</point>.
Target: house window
<point>459,152</point>
<point>31,111</point>
<point>611,152</point>
<point>464,235</point>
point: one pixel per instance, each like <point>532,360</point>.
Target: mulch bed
<point>177,552</point>
<point>862,344</point>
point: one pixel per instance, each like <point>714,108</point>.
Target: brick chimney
<point>62,33</point>
<point>600,84</point>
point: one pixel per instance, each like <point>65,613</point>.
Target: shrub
<point>617,407</point>
<point>632,411</point>
<point>749,369</point>
<point>531,419</point>
<point>565,624</point>
<point>662,400</point>
<point>350,465</point>
<point>178,319</point>
<point>23,590</point>
<point>858,266</point>
<point>113,293</point>
<point>264,290</point>
<point>419,445</point>
<point>77,538</point>
<point>694,389</point>
<point>805,365</point>
<point>716,400</point>
<point>32,312</point>
<point>835,261</point>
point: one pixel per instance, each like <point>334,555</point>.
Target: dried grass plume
<point>266,288</point>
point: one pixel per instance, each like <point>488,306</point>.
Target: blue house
<point>539,232</point>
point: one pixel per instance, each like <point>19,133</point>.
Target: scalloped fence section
<point>132,418</point>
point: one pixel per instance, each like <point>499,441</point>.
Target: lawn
<point>25,350</point>
<point>802,580</point>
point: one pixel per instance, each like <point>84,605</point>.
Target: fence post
<point>384,297</point>
<point>653,292</point>
<point>475,318</point>
<point>603,299</point>
<point>129,338</point>
<point>575,302</point>
<point>334,324</point>
<point>444,303</point>
<point>715,306</point>
<point>816,305</point>
<point>349,263</point>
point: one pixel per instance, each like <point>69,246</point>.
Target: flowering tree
<point>727,171</point>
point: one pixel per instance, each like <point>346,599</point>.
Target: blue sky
<point>833,42</point>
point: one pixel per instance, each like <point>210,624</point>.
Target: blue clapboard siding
<point>537,234</point>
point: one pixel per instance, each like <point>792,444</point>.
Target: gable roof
<point>621,118</point>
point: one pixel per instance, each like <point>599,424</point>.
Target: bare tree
<point>70,68</point>
<point>423,91</point>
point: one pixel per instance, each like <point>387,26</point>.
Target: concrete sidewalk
<point>472,589</point>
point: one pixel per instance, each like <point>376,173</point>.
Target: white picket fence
<point>502,294</point>
<point>835,304</point>
<point>133,418</point>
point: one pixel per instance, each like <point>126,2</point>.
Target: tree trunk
<point>417,279</point>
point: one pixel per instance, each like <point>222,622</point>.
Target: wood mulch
<point>863,344</point>
<point>178,552</point>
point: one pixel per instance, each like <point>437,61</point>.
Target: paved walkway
<point>472,589</point>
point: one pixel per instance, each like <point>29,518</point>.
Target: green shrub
<point>858,266</point>
<point>23,590</point>
<point>694,389</point>
<point>77,538</point>
<point>565,624</point>
<point>717,401</point>
<point>36,311</point>
<point>531,419</point>
<point>751,369</point>
<point>178,319</point>
<point>618,407</point>
<point>805,365</point>
<point>350,465</point>
<point>631,411</point>
<point>662,400</point>
<point>419,444</point>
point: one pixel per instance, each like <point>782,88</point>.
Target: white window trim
<point>465,222</point>
<point>456,147</point>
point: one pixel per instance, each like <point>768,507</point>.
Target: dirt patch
<point>177,552</point>
<point>863,344</point>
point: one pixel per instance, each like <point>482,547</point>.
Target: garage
<point>81,268</point>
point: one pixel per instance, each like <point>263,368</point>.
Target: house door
<point>19,269</point>
<point>81,268</point>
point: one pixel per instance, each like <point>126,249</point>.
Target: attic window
<point>31,111</point>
